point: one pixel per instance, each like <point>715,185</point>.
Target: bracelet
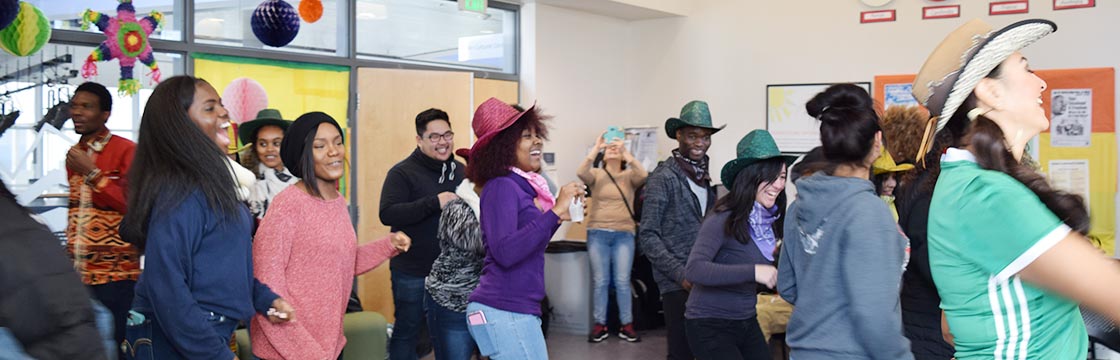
<point>92,177</point>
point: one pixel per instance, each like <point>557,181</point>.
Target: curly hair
<point>493,159</point>
<point>248,158</point>
<point>902,128</point>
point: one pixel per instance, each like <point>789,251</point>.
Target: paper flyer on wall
<point>642,142</point>
<point>1071,176</point>
<point>1071,117</point>
<point>898,95</point>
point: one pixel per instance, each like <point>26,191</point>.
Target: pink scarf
<point>547,201</point>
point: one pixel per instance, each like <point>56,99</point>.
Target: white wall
<point>582,76</point>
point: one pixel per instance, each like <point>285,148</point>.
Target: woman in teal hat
<point>734,253</point>
<point>263,136</point>
<point>610,228</point>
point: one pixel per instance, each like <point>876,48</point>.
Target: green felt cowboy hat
<point>758,145</point>
<point>695,113</point>
<point>247,131</point>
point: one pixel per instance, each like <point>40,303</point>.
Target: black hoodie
<point>410,203</point>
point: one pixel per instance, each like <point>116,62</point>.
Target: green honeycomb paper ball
<point>27,33</point>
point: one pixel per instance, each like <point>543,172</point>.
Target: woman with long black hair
<point>187,214</point>
<point>734,254</point>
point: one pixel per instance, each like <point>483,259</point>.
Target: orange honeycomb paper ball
<point>310,10</point>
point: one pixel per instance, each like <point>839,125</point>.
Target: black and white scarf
<point>696,170</point>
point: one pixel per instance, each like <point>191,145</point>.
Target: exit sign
<point>478,6</point>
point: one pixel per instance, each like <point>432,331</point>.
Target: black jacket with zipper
<point>410,203</point>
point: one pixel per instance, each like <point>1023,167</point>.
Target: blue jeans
<point>612,255</point>
<point>450,336</point>
<point>116,296</point>
<point>145,339</point>
<point>503,335</point>
<point>105,321</point>
<point>10,347</point>
<point>408,299</point>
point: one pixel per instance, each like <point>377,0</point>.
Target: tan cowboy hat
<point>963,58</point>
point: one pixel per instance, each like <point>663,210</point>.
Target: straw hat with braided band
<point>967,55</point>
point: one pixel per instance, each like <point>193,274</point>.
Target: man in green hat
<point>677,195</point>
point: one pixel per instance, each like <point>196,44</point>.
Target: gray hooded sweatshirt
<point>841,267</point>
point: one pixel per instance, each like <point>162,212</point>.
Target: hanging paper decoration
<point>28,31</point>
<point>310,10</point>
<point>127,42</point>
<point>8,11</point>
<point>275,23</point>
<point>244,98</point>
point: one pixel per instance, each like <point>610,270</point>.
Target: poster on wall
<point>1071,176</point>
<point>1071,117</point>
<point>894,90</point>
<point>898,95</point>
<point>788,121</point>
<point>642,143</point>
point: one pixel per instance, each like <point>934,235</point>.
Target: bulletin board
<point>1085,167</point>
<point>1078,154</point>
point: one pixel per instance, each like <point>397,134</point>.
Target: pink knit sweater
<point>307,252</point>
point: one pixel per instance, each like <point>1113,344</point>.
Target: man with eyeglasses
<point>415,191</point>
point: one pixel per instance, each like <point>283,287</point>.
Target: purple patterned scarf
<point>762,230</point>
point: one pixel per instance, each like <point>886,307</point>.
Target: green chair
<point>366,338</point>
<point>244,350</point>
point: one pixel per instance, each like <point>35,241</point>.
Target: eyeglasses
<point>447,136</point>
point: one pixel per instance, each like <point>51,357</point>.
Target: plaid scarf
<point>696,170</point>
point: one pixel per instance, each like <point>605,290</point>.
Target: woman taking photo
<point>187,213</point>
<point>843,255</point>
<point>610,229</point>
<point>1008,253</point>
<point>734,254</point>
<point>263,135</point>
<point>306,248</point>
<point>518,218</point>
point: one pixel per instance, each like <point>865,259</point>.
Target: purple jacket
<point>515,233</point>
